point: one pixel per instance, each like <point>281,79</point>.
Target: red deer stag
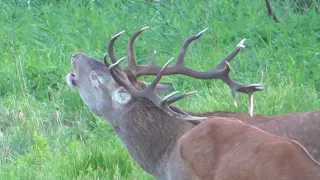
<point>222,148</point>
<point>147,124</point>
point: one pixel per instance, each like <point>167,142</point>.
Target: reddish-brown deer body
<point>303,127</point>
<point>221,148</point>
<point>146,123</point>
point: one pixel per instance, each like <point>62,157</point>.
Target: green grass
<point>48,133</point>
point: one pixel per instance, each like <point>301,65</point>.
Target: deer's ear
<point>163,88</point>
<point>121,96</point>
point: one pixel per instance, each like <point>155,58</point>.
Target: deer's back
<point>303,127</point>
<point>220,148</point>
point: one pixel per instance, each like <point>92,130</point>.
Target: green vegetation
<point>48,133</point>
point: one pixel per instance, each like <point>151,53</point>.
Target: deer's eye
<point>95,79</point>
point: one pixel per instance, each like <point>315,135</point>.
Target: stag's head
<point>97,87</point>
<point>93,82</point>
<point>106,88</point>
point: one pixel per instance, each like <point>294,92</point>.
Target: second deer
<point>228,149</point>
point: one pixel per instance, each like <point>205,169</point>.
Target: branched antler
<point>220,72</point>
<point>149,93</point>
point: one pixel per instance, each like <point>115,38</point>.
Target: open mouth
<point>71,79</point>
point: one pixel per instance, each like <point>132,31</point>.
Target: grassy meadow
<point>47,132</point>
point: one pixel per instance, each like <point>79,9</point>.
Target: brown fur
<point>303,127</point>
<point>221,148</point>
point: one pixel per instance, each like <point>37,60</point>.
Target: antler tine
<point>181,115</point>
<point>131,59</point>
<point>170,95</point>
<point>153,58</point>
<point>105,60</point>
<point>110,48</point>
<point>159,76</point>
<point>232,55</point>
<point>186,45</point>
<point>149,91</point>
<point>250,103</point>
<point>177,98</point>
<point>111,67</point>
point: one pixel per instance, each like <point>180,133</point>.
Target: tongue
<point>71,80</point>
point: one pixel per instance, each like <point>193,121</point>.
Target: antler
<point>149,92</point>
<point>220,72</point>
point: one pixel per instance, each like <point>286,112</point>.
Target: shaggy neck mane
<point>148,133</point>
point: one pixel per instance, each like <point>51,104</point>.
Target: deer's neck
<point>149,134</point>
